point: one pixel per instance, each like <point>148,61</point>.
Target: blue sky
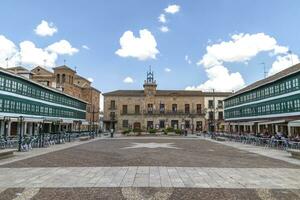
<point>270,27</point>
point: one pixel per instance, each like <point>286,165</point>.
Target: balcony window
<point>137,109</point>
<point>211,104</point>
<point>187,108</point>
<point>150,108</point>
<point>174,107</point>
<point>161,108</point>
<point>220,104</point>
<point>211,115</point>
<point>199,108</point>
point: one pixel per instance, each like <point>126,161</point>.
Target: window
<point>1,83</point>
<point>14,86</point>
<point>174,107</point>
<point>161,108</point>
<point>187,108</point>
<point>124,109</point>
<point>295,82</point>
<point>137,109</point>
<point>282,88</point>
<point>6,105</point>
<point>150,108</point>
<point>211,115</point>
<point>8,85</point>
<point>199,108</point>
<point>112,104</point>
<point>58,78</point>
<point>220,115</point>
<point>276,88</point>
<point>162,124</point>
<point>63,79</point>
<point>210,104</point>
<point>125,123</point>
<point>220,104</point>
<point>149,124</point>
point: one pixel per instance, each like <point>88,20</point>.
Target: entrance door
<point>137,125</point>
<point>174,124</point>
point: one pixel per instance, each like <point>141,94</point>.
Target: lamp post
<point>21,119</point>
<point>6,119</point>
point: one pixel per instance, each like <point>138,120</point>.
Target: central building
<point>157,109</point>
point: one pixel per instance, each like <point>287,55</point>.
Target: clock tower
<point>150,84</point>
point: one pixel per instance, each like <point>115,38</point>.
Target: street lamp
<point>6,119</point>
<point>21,119</point>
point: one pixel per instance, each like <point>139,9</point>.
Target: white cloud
<point>172,9</point>
<point>142,47</point>
<point>162,18</point>
<point>45,29</point>
<point>241,48</point>
<point>27,54</point>
<point>164,29</point>
<point>167,69</point>
<point>31,55</point>
<point>62,47</point>
<point>85,47</point>
<point>187,59</point>
<point>282,62</point>
<point>128,80</point>
<point>90,79</point>
<point>220,79</point>
<point>8,51</point>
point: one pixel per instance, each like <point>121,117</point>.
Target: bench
<point>84,138</point>
<point>221,139</point>
<point>294,153</point>
<point>6,153</point>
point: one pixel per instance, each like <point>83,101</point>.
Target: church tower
<point>150,84</point>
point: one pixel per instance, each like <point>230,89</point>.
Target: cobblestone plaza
<point>151,168</point>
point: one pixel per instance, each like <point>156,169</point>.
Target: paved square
<point>150,168</point>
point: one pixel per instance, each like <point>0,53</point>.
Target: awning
<point>85,123</point>
<point>295,123</point>
<point>29,119</point>
<point>272,122</point>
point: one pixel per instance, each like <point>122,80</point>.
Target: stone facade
<point>152,108</point>
<point>69,82</point>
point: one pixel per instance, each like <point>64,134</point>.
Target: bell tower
<point>150,84</point>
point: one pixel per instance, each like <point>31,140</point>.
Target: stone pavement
<point>268,152</point>
<point>153,176</point>
<point>150,168</point>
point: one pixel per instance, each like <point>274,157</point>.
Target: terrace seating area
<point>278,140</point>
<point>28,142</point>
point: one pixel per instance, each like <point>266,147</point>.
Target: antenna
<point>75,68</point>
<point>65,61</point>
<point>265,71</point>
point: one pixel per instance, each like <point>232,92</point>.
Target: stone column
<point>289,130</point>
<point>251,128</point>
<point>258,128</point>
<point>2,128</point>
<point>8,128</point>
<point>25,128</point>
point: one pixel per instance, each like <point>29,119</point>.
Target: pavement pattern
<point>151,168</point>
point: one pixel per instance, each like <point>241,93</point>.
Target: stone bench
<point>84,138</point>
<point>221,139</point>
<point>294,153</point>
<point>6,153</point>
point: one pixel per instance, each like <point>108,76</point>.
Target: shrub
<point>178,131</point>
<point>126,131</point>
<point>170,129</point>
<point>152,131</point>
